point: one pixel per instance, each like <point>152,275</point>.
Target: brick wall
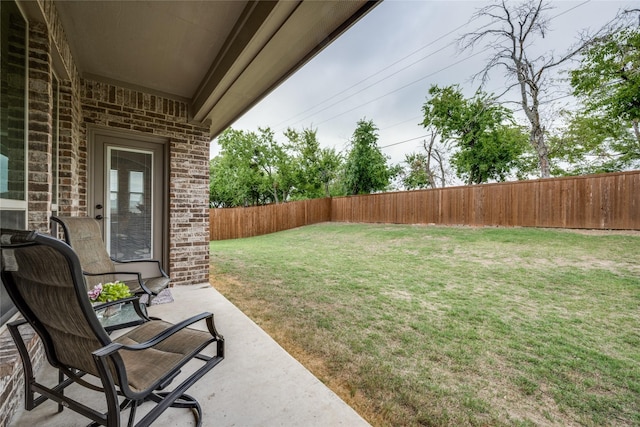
<point>11,376</point>
<point>72,192</point>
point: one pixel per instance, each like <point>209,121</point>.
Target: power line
<point>570,9</point>
<point>380,71</point>
<point>402,122</point>
<point>402,142</point>
<point>373,84</point>
<point>400,88</point>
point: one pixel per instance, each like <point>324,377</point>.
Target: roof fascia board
<point>244,94</point>
<point>257,24</point>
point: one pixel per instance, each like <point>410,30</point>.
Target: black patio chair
<point>42,275</point>
<point>143,277</point>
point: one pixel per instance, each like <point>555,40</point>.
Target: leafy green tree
<point>608,80</point>
<point>366,168</point>
<point>330,162</point>
<point>253,169</point>
<point>590,143</point>
<point>608,83</point>
<point>235,176</point>
<point>426,169</point>
<point>489,145</point>
<point>418,174</point>
<point>224,188</point>
<point>315,168</point>
<point>276,166</point>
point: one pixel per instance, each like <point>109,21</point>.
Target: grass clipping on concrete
<point>423,325</point>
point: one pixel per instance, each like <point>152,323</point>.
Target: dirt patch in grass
<point>316,365</point>
<point>592,232</point>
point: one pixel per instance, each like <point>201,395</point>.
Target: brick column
<point>40,128</point>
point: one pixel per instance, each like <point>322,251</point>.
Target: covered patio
<point>148,85</point>
<point>257,384</point>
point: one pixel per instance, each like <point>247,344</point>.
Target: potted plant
<point>107,292</point>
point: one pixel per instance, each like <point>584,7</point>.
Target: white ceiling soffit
<point>220,56</point>
<point>165,46</point>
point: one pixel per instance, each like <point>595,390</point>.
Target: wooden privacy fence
<point>233,223</point>
<point>606,201</point>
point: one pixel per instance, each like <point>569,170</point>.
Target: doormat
<point>164,297</point>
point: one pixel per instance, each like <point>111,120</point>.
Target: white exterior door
<point>128,185</point>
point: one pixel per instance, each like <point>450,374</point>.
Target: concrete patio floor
<point>258,383</point>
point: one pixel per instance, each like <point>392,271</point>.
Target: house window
<point>13,147</point>
<point>55,137</point>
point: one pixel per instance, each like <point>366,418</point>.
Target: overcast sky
<point>383,66</point>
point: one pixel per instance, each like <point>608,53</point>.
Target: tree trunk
<point>537,140</point>
<point>530,106</point>
<point>428,171</point>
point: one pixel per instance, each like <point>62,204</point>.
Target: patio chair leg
<point>132,413</point>
<point>60,380</point>
<point>185,401</point>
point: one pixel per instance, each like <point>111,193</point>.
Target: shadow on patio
<point>258,383</point>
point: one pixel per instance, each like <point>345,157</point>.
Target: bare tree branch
<point>509,36</point>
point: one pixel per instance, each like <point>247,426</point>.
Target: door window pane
<point>129,227</point>
<point>56,145</point>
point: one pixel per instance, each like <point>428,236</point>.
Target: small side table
<point>121,314</point>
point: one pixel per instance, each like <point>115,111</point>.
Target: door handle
<point>99,217</point>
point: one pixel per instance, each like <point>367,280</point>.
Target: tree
<point>276,165</point>
<point>426,169</point>
<point>489,145</point>
<point>251,169</point>
<point>315,168</point>
<point>224,189</point>
<point>366,167</point>
<point>590,143</point>
<point>235,177</point>
<point>608,79</point>
<point>330,163</point>
<point>510,37</point>
<point>418,174</point>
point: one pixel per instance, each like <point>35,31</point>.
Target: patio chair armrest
<point>147,267</point>
<point>18,322</point>
<point>116,346</point>
<point>136,275</point>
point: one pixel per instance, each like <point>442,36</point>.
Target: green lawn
<point>418,325</point>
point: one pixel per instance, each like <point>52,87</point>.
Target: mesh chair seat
<point>153,284</point>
